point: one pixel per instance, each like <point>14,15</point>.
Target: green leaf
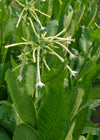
<point>91,130</point>
<point>7,105</point>
<point>30,76</point>
<point>80,13</point>
<point>22,101</point>
<point>53,117</point>
<point>56,9</point>
<point>94,93</point>
<point>9,117</point>
<point>80,123</point>
<point>23,30</point>
<point>90,16</point>
<point>24,132</point>
<point>85,41</point>
<point>46,7</point>
<point>10,27</point>
<point>65,5</point>
<point>3,69</point>
<point>78,101</point>
<point>52,28</point>
<point>95,47</point>
<point>65,21</point>
<point>96,34</point>
<point>4,135</point>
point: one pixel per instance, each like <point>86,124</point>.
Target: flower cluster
<point>44,43</point>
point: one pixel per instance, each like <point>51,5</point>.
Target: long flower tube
<point>71,55</point>
<point>16,44</point>
<point>37,19</point>
<point>54,53</point>
<point>33,27</point>
<point>39,83</point>
<point>20,74</point>
<point>20,18</point>
<point>57,34</point>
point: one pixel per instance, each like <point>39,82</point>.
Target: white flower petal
<point>73,73</point>
<point>19,78</point>
<point>42,28</point>
<point>68,38</point>
<point>39,84</point>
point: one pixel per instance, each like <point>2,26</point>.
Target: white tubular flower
<point>39,83</point>
<point>65,39</point>
<point>71,55</point>
<point>73,73</point>
<point>19,57</point>
<point>19,78</point>
<point>20,18</point>
<point>20,74</point>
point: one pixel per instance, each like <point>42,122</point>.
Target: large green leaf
<point>24,132</point>
<point>21,99</point>
<point>53,117</point>
<point>4,135</point>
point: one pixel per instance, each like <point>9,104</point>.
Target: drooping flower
<point>73,73</point>
<point>19,78</point>
<point>39,83</point>
<point>71,55</point>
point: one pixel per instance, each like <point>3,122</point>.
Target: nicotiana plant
<point>43,44</point>
<point>50,64</point>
